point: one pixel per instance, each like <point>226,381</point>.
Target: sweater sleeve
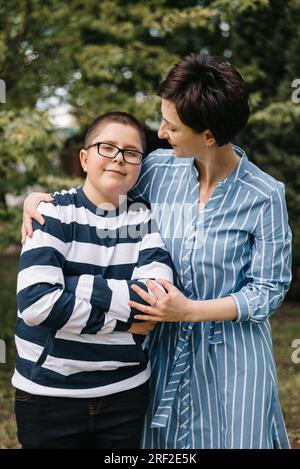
<point>41,292</point>
<point>153,262</point>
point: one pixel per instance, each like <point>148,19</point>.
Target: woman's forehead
<point>169,113</point>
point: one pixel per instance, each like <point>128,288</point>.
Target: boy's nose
<point>119,158</point>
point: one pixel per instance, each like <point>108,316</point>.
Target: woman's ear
<point>83,156</point>
<point>209,139</point>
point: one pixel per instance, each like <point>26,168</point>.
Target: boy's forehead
<point>116,131</point>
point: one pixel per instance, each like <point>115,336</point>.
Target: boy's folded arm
<point>153,262</point>
<point>41,294</point>
<point>97,291</point>
<point>42,299</point>
<point>47,298</point>
<point>87,303</point>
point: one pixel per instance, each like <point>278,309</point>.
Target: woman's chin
<point>178,153</point>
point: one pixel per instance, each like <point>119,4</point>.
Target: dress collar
<point>237,172</point>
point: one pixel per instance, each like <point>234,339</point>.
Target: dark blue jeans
<point>108,422</point>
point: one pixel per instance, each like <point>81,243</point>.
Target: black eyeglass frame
<point>119,150</point>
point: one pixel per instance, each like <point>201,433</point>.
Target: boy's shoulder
<point>138,210</point>
<point>62,200</point>
<point>65,197</point>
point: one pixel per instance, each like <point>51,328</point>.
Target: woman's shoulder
<point>164,157</point>
<point>260,182</point>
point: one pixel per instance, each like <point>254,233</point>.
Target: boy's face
<point>110,178</point>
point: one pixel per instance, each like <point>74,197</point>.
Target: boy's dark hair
<point>208,93</point>
<point>119,117</point>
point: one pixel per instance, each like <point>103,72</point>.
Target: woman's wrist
<point>194,313</point>
<point>221,309</point>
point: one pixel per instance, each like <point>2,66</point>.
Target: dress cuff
<point>242,305</point>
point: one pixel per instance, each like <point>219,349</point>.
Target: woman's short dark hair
<point>121,118</point>
<point>208,93</point>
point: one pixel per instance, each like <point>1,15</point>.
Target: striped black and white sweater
<point>73,290</point>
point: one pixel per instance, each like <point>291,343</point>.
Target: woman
<point>225,224</point>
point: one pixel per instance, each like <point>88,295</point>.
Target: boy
<point>82,370</point>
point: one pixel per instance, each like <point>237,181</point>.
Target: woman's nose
<point>162,133</point>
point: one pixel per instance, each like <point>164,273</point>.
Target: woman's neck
<point>216,164</point>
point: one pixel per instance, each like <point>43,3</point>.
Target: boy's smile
<point>115,171</point>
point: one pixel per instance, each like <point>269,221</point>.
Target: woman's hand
<point>171,306</point>
<point>142,328</point>
<point>30,211</point>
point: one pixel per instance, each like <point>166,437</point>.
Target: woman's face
<point>184,140</point>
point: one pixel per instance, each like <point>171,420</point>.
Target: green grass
<point>8,310</point>
<point>285,325</point>
<point>8,438</point>
<point>286,328</point>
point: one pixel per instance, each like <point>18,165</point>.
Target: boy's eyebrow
<point>133,147</point>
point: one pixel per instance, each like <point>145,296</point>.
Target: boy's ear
<point>83,156</point>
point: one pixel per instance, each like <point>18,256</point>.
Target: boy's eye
<point>107,147</point>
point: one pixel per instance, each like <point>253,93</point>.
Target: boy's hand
<point>142,328</point>
<point>30,211</point>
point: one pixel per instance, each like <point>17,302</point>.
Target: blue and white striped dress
<point>214,384</point>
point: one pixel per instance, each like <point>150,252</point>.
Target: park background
<point>63,63</point>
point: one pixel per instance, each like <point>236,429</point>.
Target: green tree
<point>112,55</point>
<point>265,47</point>
<point>105,55</point>
<point>35,57</point>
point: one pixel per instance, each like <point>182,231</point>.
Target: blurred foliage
<point>112,55</point>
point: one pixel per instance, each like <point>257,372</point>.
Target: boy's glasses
<point>111,151</point>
